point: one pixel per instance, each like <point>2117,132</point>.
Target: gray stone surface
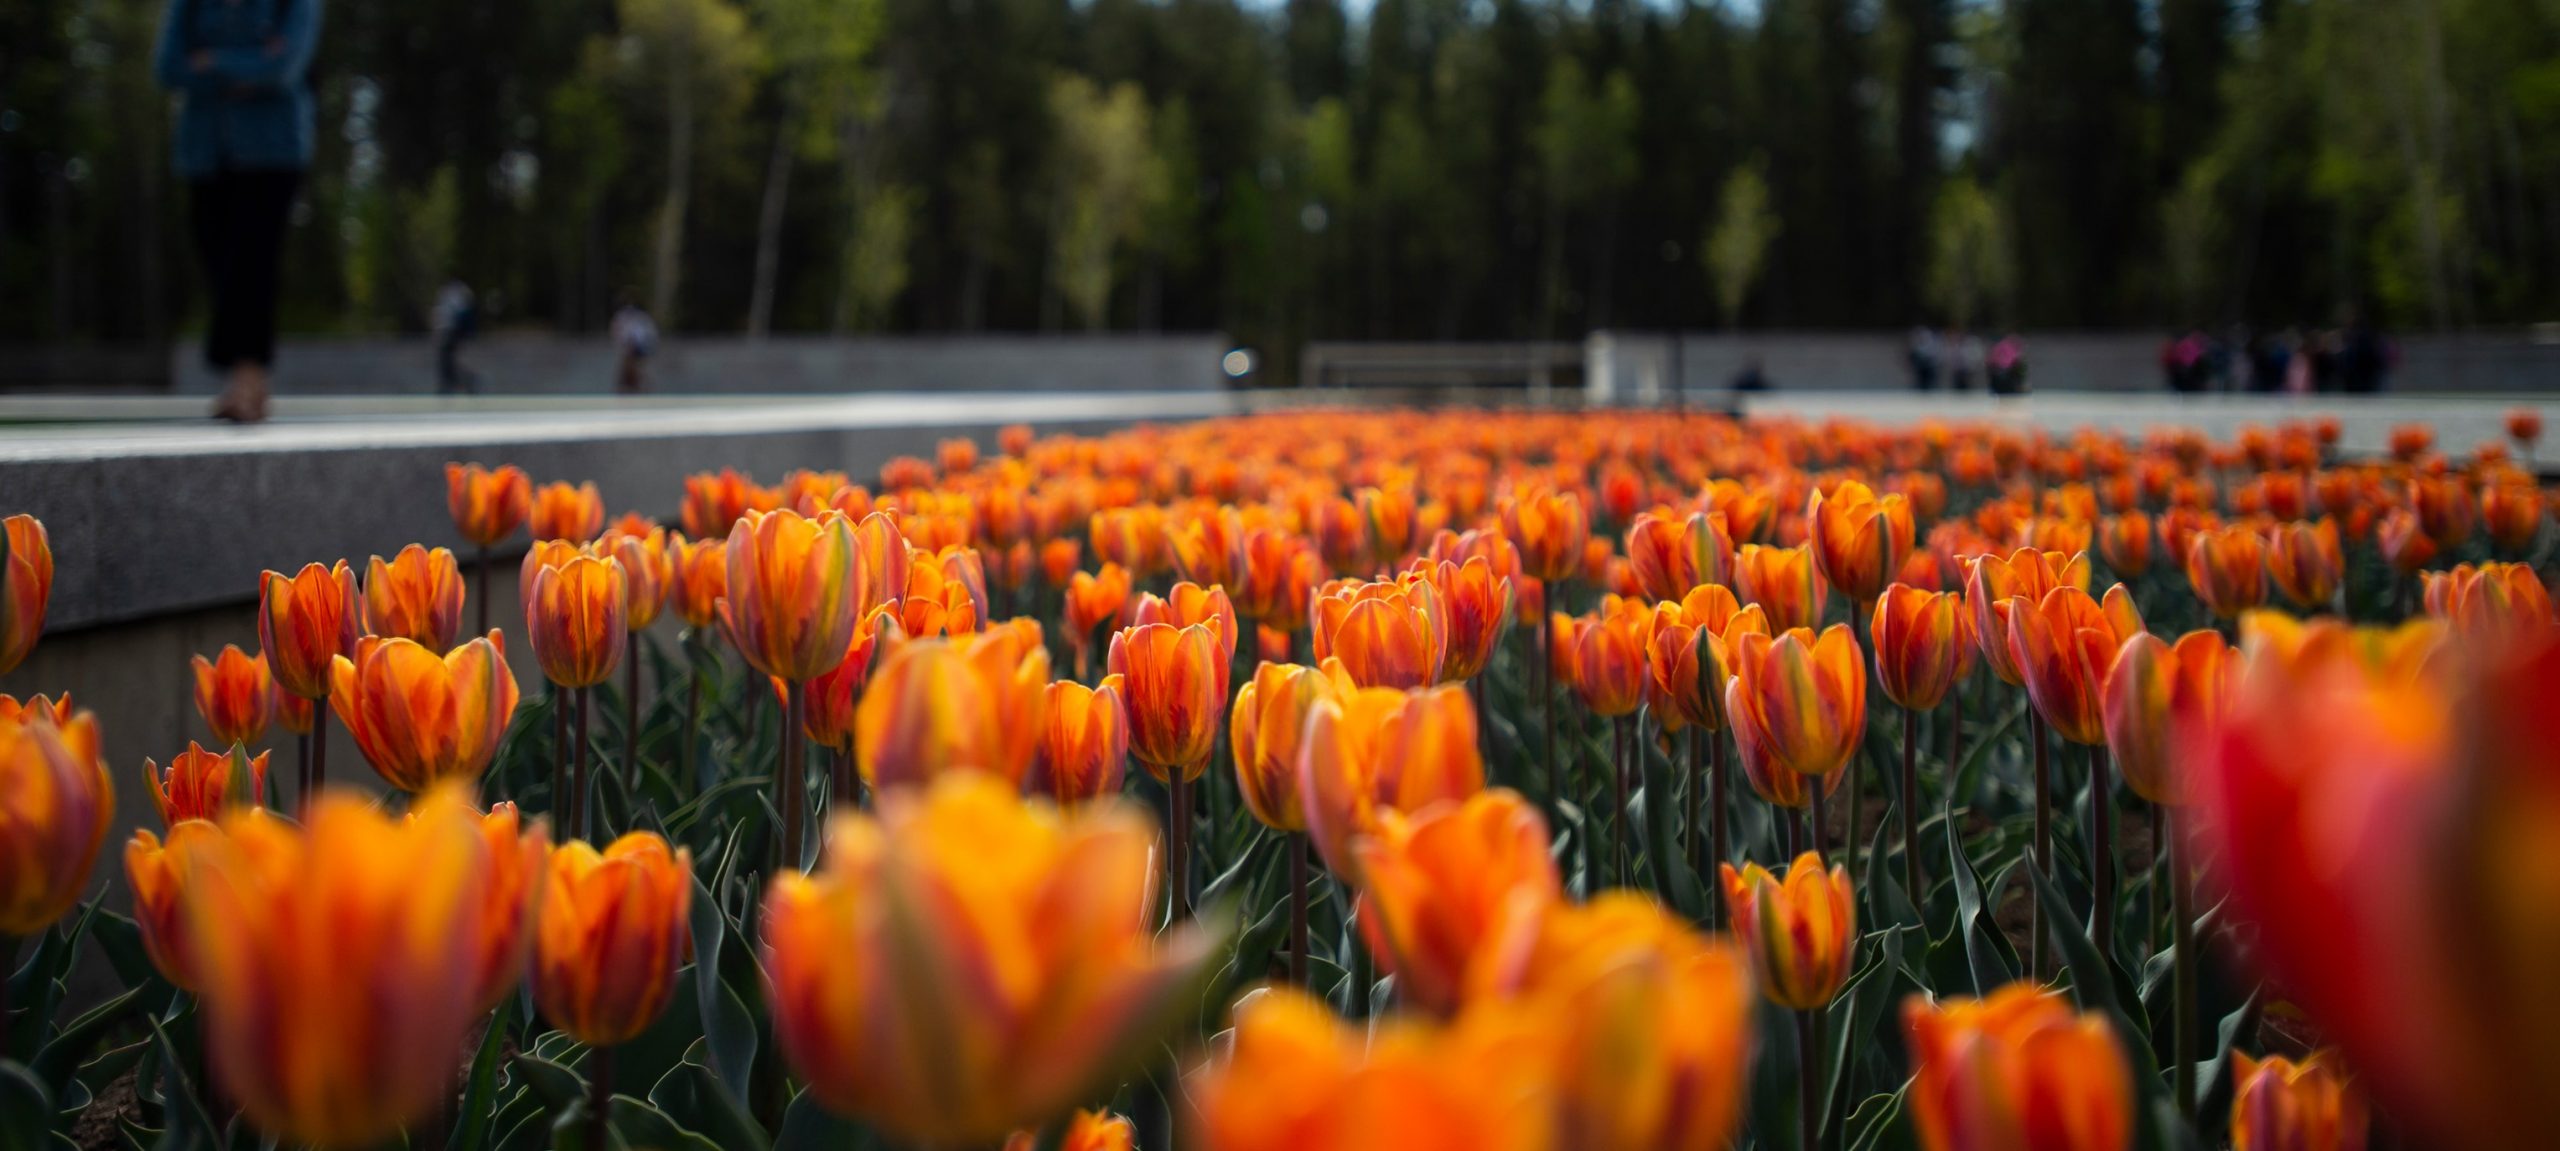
<point>546,363</point>
<point>153,518</point>
<point>1636,366</point>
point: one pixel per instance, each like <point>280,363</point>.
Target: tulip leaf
<point>1878,1123</point>
<point>2098,984</point>
<point>559,1087</point>
<point>1987,952</point>
<point>1670,864</point>
<point>480,1085</point>
<point>1886,902</point>
<point>1236,872</point>
<point>638,1123</point>
<point>726,1022</point>
<point>807,1126</point>
<point>189,1126</point>
<point>121,940</point>
<point>64,1052</point>
<point>26,1108</point>
<point>1862,1005</point>
<point>1977,753</point>
<point>696,1099</point>
<point>36,990</point>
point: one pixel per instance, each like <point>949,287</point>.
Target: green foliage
<point>1738,246</point>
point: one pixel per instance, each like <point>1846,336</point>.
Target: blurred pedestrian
<point>456,317</point>
<point>1967,359</point>
<point>2005,368</point>
<point>245,130</point>
<point>1751,378</point>
<point>635,336</point>
<point>1924,358</point>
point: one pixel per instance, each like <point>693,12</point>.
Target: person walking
<point>635,336</point>
<point>456,317</point>
<point>245,131</point>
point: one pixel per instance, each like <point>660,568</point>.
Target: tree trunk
<point>669,263</point>
<point>777,189</point>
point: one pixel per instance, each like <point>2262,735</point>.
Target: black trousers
<point>239,220</point>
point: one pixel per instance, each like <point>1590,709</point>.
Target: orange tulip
<point>1389,512</point>
<point>1208,548</point>
<point>1646,1022</point>
<point>1924,645</point>
<point>197,784</point>
<point>2124,541</point>
<point>563,512</point>
<point>2306,562</point>
<point>1133,537</point>
<point>1549,528</point>
<point>2281,1105</point>
<point>1858,539</point>
<point>334,962</point>
<point>26,585</point>
<point>647,573</point>
<point>1298,1077</point>
<point>865,962</point>
<point>304,621</point>
<point>157,874</point>
<point>487,505</point>
<point>1187,603</point>
<point>2403,544</point>
<point>833,697</point>
<point>1800,699</point>
<point>2227,567</point>
<point>697,578</point>
<point>1372,749</point>
<point>613,928</point>
<point>1384,634</point>
<point>1173,680</point>
<point>1280,571</point>
<point>1059,559</point>
<point>794,587</point>
<point>2016,1071</point>
<point>1084,744</point>
<point>977,703</point>
<point>510,902</point>
<point>1270,721</point>
<point>946,593</point>
<point>2513,511</point>
<point>1784,582</point>
<point>421,718</point>
<point>235,695</point>
<point>292,712</point>
<point>1801,930</point>
<point>1476,609</point>
<point>55,804</point>
<point>1671,557</point>
<point>2064,647</point>
<point>1994,580</point>
<point>1609,657</point>
<point>1453,888</point>
<point>573,616</point>
<point>2446,509</point>
<point>1086,1131</point>
<point>2524,425</point>
<point>415,596</point>
<point>1685,669</point>
<point>2160,701</point>
<point>1092,599</point>
<point>2502,605</point>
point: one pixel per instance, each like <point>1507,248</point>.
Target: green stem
<point>1808,1084</point>
<point>1911,806</point>
<point>2043,839</point>
<point>2182,1008</point>
<point>599,1097</point>
<point>2102,852</point>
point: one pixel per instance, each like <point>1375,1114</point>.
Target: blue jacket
<point>250,107</point>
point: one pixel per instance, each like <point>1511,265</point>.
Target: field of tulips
<point>1501,780</point>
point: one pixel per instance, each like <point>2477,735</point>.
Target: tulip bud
<point>1549,528</point>
<point>1783,582</point>
<point>574,616</point>
<point>200,784</point>
<point>1372,749</point>
<point>2063,648</point>
<point>647,572</point>
<point>2227,569</point>
<point>1924,645</point>
<point>2306,562</point>
<point>612,931</point>
<point>1084,744</point>
<point>1858,539</point>
<point>235,695</point>
<point>1173,680</point>
<point>55,804</point>
<point>417,595</point>
<point>2308,1106</point>
<point>697,578</point>
<point>794,586</point>
<point>157,874</point>
<point>305,621</point>
<point>859,959</point>
<point>26,584</point>
<point>2159,701</point>
<point>487,505</point>
<point>1801,931</point>
<point>1801,699</point>
<point>334,962</point>
<point>1269,723</point>
<point>938,705</point>
<point>2016,1070</point>
<point>1453,889</point>
<point>1609,658</point>
<point>565,512</point>
<point>420,718</point>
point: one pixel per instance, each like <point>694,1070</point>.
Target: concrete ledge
<point>562,364</point>
<point>149,519</point>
